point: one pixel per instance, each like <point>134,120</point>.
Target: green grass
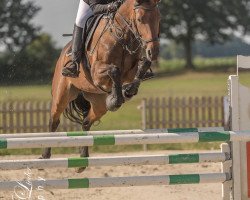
<point>41,92</point>
<point>129,117</point>
<point>201,64</point>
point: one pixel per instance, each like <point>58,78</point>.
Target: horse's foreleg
<point>131,89</point>
<point>115,99</point>
<point>143,66</point>
<point>108,78</point>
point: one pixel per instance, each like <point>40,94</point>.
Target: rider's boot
<point>71,69</point>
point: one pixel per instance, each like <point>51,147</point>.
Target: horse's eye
<point>139,20</point>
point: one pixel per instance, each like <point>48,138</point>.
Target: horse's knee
<point>107,76</point>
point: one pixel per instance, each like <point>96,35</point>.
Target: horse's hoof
<point>45,156</point>
<point>112,104</point>
<point>80,170</point>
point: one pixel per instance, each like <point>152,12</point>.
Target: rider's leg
<point>71,69</point>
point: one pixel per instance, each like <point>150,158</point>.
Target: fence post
<point>226,113</point>
<point>226,168</point>
<point>144,119</point>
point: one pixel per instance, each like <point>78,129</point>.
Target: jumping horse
<point>117,67</point>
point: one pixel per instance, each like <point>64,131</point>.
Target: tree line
<point>204,49</point>
<point>28,54</point>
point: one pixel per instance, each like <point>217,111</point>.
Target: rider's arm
<point>101,6</point>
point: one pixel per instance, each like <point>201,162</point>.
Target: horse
<point>115,54</point>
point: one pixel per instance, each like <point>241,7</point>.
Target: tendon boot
<point>144,70</point>
<point>71,68</point>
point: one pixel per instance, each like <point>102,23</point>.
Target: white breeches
<point>84,12</point>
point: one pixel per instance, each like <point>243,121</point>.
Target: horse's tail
<point>77,109</point>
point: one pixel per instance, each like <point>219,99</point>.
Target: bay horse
<point>117,67</point>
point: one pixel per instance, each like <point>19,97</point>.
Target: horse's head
<point>147,23</point>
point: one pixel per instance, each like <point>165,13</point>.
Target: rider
<point>86,9</point>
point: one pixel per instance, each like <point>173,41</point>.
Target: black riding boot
<point>71,69</point>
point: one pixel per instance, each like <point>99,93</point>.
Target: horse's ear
<point>139,2</point>
<point>157,1</point>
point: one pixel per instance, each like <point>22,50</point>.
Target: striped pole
<point>152,138</point>
<point>113,161</point>
<point>121,181</point>
<point>112,132</point>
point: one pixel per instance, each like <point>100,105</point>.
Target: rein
<point>131,26</point>
<point>144,7</point>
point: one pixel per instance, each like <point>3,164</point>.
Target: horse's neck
<point>126,8</point>
<point>124,20</point>
<point>125,12</point>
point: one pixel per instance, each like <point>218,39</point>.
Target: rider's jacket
<point>99,6</point>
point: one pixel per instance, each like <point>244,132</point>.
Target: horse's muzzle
<point>152,52</point>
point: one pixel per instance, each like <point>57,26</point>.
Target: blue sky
<point>57,17</point>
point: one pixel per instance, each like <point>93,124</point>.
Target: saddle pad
<point>91,25</point>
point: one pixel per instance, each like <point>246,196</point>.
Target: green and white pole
<point>121,181</point>
<point>110,132</point>
<point>128,139</point>
<point>113,161</point>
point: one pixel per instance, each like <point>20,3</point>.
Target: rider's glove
<point>113,7</point>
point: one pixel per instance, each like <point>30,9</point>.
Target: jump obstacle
<point>234,155</point>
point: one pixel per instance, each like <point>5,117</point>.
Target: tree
<point>213,20</point>
<point>16,28</point>
<point>35,63</point>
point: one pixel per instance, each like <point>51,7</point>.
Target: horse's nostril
<point>149,52</point>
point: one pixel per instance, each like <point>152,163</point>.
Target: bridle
<point>134,30</point>
<point>151,8</point>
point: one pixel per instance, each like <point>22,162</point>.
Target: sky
<point>57,17</point>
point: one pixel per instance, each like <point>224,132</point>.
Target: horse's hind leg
<point>53,124</point>
<point>84,151</point>
<point>97,110</point>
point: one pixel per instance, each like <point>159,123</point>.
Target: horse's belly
<point>83,84</point>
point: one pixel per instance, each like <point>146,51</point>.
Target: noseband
<point>133,28</point>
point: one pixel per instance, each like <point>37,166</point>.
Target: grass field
<point>129,117</point>
<point>201,64</point>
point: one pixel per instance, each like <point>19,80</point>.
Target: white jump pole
<point>240,120</point>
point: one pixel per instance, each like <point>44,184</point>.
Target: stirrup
<point>66,71</point>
